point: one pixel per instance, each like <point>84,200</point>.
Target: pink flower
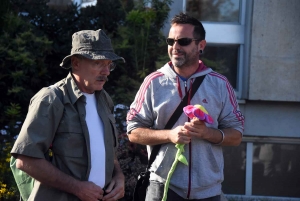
<point>199,112</point>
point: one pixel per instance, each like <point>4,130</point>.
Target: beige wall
<point>274,71</point>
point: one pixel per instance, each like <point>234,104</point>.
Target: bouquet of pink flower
<point>192,111</point>
<point>199,112</point>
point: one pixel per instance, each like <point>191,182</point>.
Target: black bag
<point>142,183</point>
<point>141,186</point>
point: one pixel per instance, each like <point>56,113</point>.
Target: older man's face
<point>90,75</point>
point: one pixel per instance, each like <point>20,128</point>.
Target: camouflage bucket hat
<point>92,45</point>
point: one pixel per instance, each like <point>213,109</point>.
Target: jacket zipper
<point>190,144</point>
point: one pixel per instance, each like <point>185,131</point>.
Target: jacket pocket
<point>69,140</point>
<point>164,160</point>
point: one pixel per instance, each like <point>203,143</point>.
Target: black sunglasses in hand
<point>180,41</point>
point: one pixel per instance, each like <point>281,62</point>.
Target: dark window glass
<point>223,59</point>
<point>276,170</point>
<point>234,169</point>
<point>214,10</point>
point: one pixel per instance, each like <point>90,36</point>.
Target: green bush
<point>35,38</point>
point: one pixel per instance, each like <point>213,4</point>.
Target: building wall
<point>276,119</point>
<point>275,51</point>
<point>273,108</point>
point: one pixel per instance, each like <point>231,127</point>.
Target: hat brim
<point>91,55</point>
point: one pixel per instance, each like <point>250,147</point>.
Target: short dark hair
<point>182,18</point>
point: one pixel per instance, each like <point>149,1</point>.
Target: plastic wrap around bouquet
<point>192,111</point>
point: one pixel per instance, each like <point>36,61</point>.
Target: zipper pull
<point>185,87</point>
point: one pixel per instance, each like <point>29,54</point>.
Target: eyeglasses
<point>98,66</point>
<point>180,41</point>
<point>112,66</point>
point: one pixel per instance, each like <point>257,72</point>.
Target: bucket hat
<point>92,45</point>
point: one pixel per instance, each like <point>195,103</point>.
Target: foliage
<point>8,189</point>
<point>142,44</point>
<point>133,160</point>
<point>22,67</point>
<point>22,72</point>
<point>34,38</point>
<point>132,157</point>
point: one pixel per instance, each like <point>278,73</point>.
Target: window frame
<point>238,34</point>
<point>249,140</point>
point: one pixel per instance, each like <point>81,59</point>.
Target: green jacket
<point>57,120</point>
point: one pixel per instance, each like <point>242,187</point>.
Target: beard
<point>185,59</point>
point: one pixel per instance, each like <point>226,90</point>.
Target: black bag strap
<point>176,115</point>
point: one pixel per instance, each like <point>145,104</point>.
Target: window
<point>266,167</point>
<point>234,170</point>
<point>214,10</point>
<point>276,169</point>
<point>225,25</point>
<point>223,59</point>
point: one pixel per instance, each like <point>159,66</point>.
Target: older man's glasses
<point>112,66</point>
<point>98,65</point>
<point>180,41</point>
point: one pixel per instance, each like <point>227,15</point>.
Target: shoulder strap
<point>184,102</point>
<point>176,115</point>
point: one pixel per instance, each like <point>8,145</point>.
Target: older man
<point>74,118</point>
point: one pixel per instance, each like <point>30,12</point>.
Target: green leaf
<point>182,159</point>
<point>13,110</point>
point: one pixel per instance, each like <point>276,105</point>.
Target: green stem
<point>170,174</point>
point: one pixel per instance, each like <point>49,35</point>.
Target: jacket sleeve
<point>39,128</point>
<point>230,116</point>
<point>141,112</point>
